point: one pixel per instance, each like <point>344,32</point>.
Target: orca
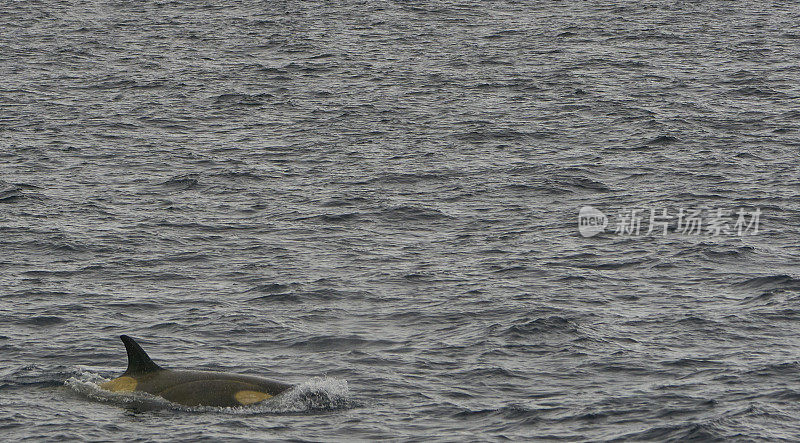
<point>190,388</point>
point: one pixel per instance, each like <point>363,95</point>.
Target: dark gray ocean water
<point>378,202</point>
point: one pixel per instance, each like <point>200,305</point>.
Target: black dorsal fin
<point>138,360</point>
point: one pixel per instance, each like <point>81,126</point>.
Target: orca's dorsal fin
<point>138,360</point>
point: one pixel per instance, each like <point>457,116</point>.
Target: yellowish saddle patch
<point>250,397</point>
<point>121,384</point>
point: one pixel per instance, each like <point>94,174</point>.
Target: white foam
<point>316,394</point>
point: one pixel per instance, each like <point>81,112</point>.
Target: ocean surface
<point>378,201</point>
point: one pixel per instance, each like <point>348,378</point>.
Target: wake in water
<point>314,395</point>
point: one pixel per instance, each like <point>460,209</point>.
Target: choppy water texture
<point>385,193</point>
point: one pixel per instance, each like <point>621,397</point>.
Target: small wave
<point>43,320</point>
<point>182,182</point>
<point>413,213</point>
<point>545,325</point>
<point>404,178</point>
<point>771,281</point>
<point>13,192</point>
<point>10,195</point>
<point>680,432</point>
<point>776,369</point>
<point>582,183</point>
<point>239,99</point>
<point>309,67</point>
<point>277,297</point>
<point>500,134</point>
<point>338,343</point>
<point>239,175</point>
<point>332,218</point>
<point>271,70</point>
<point>503,34</point>
<point>43,273</point>
<point>33,375</point>
<point>749,156</point>
<point>344,201</point>
<point>728,252</point>
<point>489,373</point>
<point>614,265</point>
<point>515,413</point>
<point>723,427</point>
<point>689,362</point>
<point>764,298</point>
<point>663,140</point>
<point>291,292</point>
<point>275,288</point>
<point>696,320</point>
<point>754,91</point>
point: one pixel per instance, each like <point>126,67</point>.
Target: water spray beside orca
<point>190,388</point>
